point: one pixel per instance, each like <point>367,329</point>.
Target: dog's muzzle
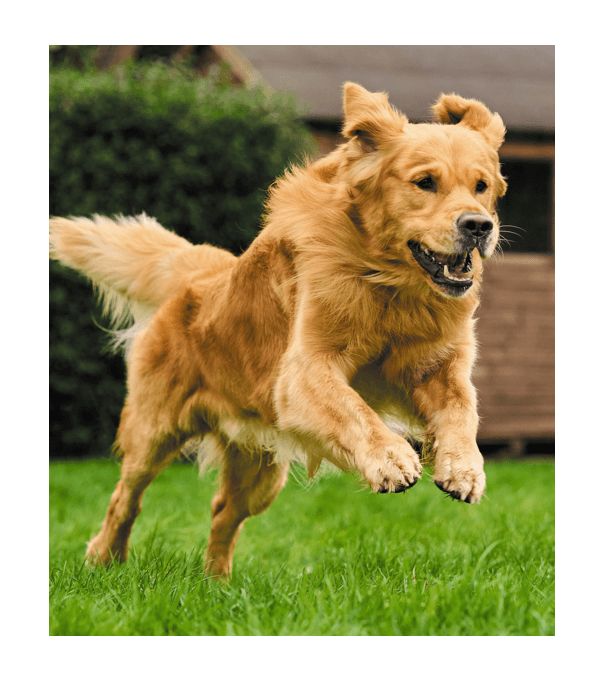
<point>453,272</point>
<point>474,231</point>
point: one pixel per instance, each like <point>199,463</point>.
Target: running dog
<point>352,310</point>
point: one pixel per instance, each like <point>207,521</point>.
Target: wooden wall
<point>515,370</point>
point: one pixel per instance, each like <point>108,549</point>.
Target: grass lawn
<point>325,559</point>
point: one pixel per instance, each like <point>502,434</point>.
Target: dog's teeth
<point>446,271</point>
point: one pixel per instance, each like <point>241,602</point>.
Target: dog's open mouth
<point>453,272</point>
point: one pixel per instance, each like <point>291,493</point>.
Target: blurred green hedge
<point>196,155</point>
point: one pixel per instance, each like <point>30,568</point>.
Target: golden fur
<point>352,308</point>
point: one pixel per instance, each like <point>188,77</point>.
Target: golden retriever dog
<point>343,332</point>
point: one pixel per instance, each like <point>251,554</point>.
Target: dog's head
<point>425,194</point>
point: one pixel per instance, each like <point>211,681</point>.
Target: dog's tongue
<point>459,267</point>
<point>456,274</point>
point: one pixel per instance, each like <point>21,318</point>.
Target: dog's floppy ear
<point>452,109</point>
<point>369,118</point>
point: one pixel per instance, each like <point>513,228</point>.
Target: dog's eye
<point>481,186</point>
<point>426,184</point>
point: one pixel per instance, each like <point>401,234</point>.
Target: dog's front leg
<point>313,396</point>
<point>448,401</point>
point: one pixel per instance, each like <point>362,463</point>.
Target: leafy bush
<point>196,156</point>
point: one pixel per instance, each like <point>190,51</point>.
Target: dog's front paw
<point>392,468</point>
<point>460,476</point>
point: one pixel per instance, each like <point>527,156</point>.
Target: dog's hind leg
<point>143,460</point>
<point>249,485</point>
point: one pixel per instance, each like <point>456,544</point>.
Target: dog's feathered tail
<point>134,262</point>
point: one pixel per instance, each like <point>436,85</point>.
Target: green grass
<point>329,559</point>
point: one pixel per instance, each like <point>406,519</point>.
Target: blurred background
<point>195,134</point>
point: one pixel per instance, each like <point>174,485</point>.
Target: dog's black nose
<point>474,225</point>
